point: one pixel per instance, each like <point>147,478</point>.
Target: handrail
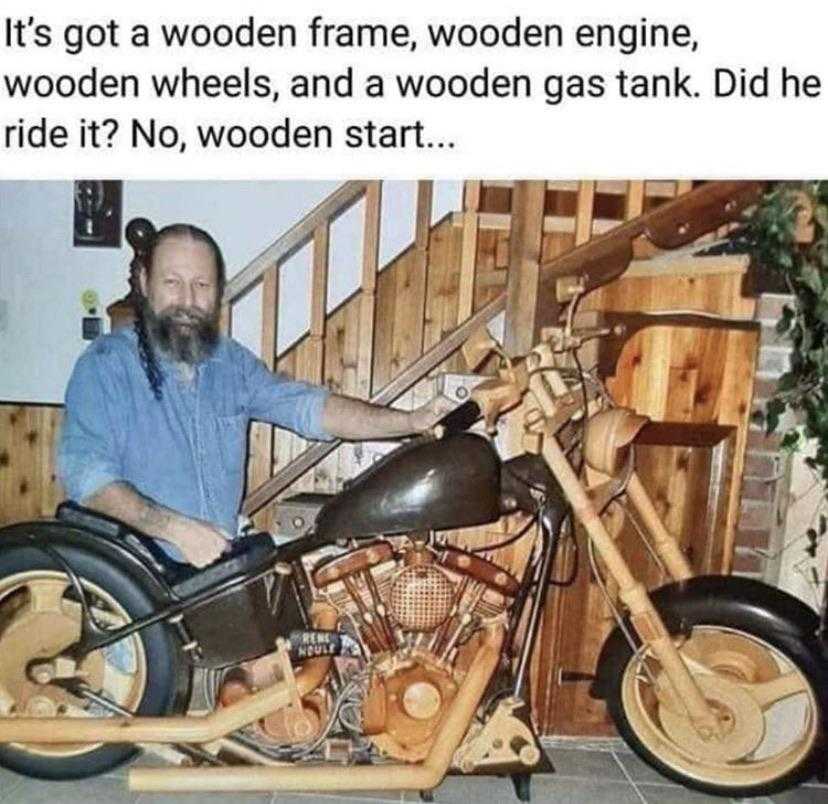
<point>294,238</point>
<point>675,223</point>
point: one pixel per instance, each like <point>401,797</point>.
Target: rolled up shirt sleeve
<point>88,455</point>
<point>292,404</point>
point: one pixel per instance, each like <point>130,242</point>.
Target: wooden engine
<point>416,611</point>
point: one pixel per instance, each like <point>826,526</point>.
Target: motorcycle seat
<point>246,555</point>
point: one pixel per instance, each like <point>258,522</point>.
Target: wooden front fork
<point>664,542</point>
<point>645,619</point>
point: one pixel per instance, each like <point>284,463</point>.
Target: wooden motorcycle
<point>372,653</point>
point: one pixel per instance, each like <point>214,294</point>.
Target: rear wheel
<point>765,688</point>
<point>40,617</point>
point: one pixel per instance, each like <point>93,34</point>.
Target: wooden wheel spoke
<point>46,594</point>
<point>769,692</point>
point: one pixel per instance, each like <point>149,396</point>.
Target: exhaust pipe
<point>201,729</point>
<point>195,729</point>
<point>422,776</point>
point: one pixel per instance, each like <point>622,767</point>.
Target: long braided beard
<point>182,334</point>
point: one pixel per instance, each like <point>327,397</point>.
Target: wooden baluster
<point>314,369</point>
<point>635,200</point>
<point>525,238</point>
<point>584,212</point>
<point>319,297</point>
<point>260,465</point>
<point>368,297</point>
<point>412,329</point>
<point>468,259</point>
<point>226,318</point>
<point>422,230</point>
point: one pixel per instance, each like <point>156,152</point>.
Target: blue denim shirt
<point>188,450</point>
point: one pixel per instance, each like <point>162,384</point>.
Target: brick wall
<point>764,485</point>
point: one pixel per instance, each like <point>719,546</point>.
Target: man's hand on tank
<point>200,542</point>
<point>424,418</point>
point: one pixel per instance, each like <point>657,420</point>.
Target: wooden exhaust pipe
<point>193,729</point>
<point>201,729</point>
<point>423,776</point>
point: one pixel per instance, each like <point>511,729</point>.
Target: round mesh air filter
<point>421,597</point>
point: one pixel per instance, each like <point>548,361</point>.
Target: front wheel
<point>40,617</point>
<point>766,688</point>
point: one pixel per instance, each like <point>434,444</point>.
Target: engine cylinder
<point>421,597</point>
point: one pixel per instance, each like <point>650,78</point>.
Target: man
<point>156,416</point>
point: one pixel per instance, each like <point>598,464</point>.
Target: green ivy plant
<point>771,236</point>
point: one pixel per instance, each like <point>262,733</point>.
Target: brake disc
<point>741,722</point>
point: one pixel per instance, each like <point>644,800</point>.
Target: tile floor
<point>601,773</point>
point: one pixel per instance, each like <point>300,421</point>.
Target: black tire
<point>167,673</point>
<point>804,654</point>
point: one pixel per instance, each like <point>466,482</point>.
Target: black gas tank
<point>452,482</point>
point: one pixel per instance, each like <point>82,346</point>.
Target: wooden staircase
<point>522,248</point>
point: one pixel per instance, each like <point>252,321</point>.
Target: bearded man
<point>155,431</point>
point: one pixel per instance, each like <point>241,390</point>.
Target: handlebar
<point>496,395</point>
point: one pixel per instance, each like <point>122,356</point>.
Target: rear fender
<point>55,534</point>
<point>739,600</point>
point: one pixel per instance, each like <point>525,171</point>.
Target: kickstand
<point>522,783</point>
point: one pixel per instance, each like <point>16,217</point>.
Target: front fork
<point>645,619</point>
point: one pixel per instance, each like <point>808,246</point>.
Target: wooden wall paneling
<point>442,286</point>
<point>492,265</point>
<point>446,263</point>
<point>388,297</point>
<point>29,488</point>
<point>404,293</point>
<point>577,627</point>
